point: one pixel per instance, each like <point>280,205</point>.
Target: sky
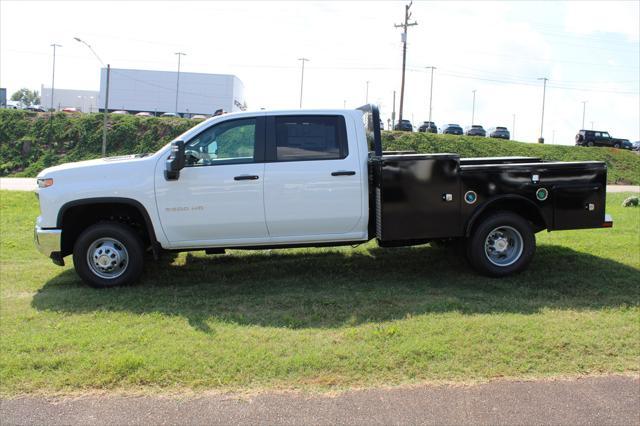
<point>589,51</point>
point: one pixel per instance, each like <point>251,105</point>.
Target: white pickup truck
<point>280,179</point>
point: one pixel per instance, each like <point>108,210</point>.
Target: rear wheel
<point>590,143</point>
<point>501,245</point>
<point>616,145</point>
<point>108,255</point>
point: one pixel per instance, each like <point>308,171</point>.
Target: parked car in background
<point>475,130</point>
<point>144,114</point>
<point>499,133</point>
<point>71,110</point>
<point>452,129</point>
<point>636,146</point>
<point>597,138</point>
<point>626,144</point>
<point>404,125</point>
<point>429,127</point>
<point>199,117</point>
<point>120,112</point>
<point>35,108</point>
<point>169,114</point>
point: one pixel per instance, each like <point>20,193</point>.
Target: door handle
<point>246,177</point>
<point>343,173</point>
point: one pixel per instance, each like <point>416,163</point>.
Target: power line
<point>530,83</point>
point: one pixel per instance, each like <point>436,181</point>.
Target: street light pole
<point>367,94</point>
<point>584,109</point>
<point>473,108</point>
<point>430,91</point>
<point>393,113</point>
<point>544,90</point>
<point>53,74</point>
<point>303,60</point>
<point>513,127</point>
<point>106,96</point>
<point>180,54</point>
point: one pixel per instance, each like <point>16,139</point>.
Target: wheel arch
<point>513,203</point>
<point>76,215</point>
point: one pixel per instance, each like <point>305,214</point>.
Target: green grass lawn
<point>318,319</point>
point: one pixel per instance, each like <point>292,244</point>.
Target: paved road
<point>590,401</point>
<point>18,184</point>
<point>29,184</point>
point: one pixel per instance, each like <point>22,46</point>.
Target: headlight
<point>45,182</point>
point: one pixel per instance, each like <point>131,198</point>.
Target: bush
<point>623,167</point>
<point>75,137</point>
<point>64,137</point>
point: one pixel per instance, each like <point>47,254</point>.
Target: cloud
<point>617,17</point>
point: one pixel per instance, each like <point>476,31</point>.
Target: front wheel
<point>616,145</point>
<point>108,255</point>
<point>501,245</point>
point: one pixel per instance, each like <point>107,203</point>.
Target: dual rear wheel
<point>502,244</point>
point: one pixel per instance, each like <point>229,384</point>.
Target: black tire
<point>477,251</point>
<point>124,239</point>
<point>590,143</point>
<point>616,145</point>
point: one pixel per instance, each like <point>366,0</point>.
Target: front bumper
<point>48,242</point>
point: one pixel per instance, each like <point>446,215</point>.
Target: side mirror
<point>175,162</point>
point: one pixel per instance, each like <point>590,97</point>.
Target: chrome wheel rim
<point>107,258</point>
<point>503,246</point>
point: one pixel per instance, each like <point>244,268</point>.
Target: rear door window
<point>311,137</point>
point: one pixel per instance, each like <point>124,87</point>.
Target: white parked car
<point>277,179</point>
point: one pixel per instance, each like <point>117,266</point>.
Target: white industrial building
<point>155,92</point>
<point>83,100</point>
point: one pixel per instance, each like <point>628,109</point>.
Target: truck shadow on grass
<point>340,287</point>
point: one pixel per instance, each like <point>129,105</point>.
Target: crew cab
<point>278,179</point>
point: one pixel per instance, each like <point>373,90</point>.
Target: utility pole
<point>367,94</point>
<point>393,114</point>
<point>592,125</point>
<point>513,128</point>
<point>106,113</point>
<point>53,79</point>
<point>405,26</point>
<point>584,108</point>
<point>473,108</point>
<point>53,74</point>
<point>180,54</point>
<point>344,104</point>
<point>430,90</point>
<point>303,60</point>
<point>544,90</point>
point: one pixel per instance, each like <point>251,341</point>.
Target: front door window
<point>231,142</point>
